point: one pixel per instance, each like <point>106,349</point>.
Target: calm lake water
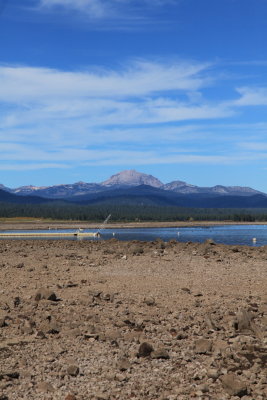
<point>227,234</point>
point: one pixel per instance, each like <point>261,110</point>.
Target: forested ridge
<point>125,213</point>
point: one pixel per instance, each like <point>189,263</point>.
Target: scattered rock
<point>145,349</point>
<point>27,327</point>
<point>70,397</point>
<point>40,335</point>
<point>213,373</point>
<point>9,374</point>
<point>198,294</point>
<point>123,364</point>
<point>210,241</point>
<point>45,294</point>
<point>3,322</point>
<point>50,326</point>
<point>181,336</point>
<point>150,301</point>
<point>243,319</point>
<point>137,250</point>
<point>198,342</point>
<point>20,265</point>
<point>45,387</point>
<point>73,370</point>
<point>210,323</point>
<point>94,293</point>
<point>203,346</point>
<point>160,354</point>
<point>233,385</point>
<point>17,301</point>
<point>185,289</point>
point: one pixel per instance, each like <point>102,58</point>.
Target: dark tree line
<point>125,213</point>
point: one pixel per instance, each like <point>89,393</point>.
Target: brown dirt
<point>202,308</point>
<point>38,224</point>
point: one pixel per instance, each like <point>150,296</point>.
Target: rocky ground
<point>131,320</point>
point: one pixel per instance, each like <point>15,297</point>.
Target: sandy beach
<point>132,320</point>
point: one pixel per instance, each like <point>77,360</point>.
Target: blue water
<point>233,234</point>
<point>226,234</point>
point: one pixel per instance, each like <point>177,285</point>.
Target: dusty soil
<point>132,320</point>
<point>38,224</point>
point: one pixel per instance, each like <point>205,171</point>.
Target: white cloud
<point>251,96</point>
<point>71,157</point>
<point>143,93</point>
<point>254,146</point>
<point>94,8</point>
<point>142,112</point>
<point>127,10</point>
<point>30,166</point>
<point>25,84</point>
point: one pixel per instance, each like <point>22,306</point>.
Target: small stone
<point>243,320</point>
<point>40,335</point>
<point>9,374</point>
<point>210,242</point>
<point>185,289</point>
<point>203,346</point>
<point>204,388</point>
<point>123,364</point>
<point>3,322</point>
<point>145,349</point>
<point>17,301</point>
<point>137,250</point>
<point>45,294</point>
<point>27,327</point>
<point>45,387</point>
<point>70,397</point>
<point>73,370</point>
<point>54,327</point>
<point>101,396</point>
<point>181,336</point>
<point>234,386</point>
<point>210,323</point>
<point>198,294</point>
<point>50,326</point>
<point>150,301</point>
<point>160,354</point>
<point>94,293</point>
<point>120,378</point>
<point>213,373</point>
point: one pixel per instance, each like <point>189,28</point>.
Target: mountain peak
<point>131,177</point>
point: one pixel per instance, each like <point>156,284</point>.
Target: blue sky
<point>173,88</point>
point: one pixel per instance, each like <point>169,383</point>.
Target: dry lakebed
<point>104,320</point>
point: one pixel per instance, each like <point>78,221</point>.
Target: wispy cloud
<point>140,78</point>
<point>251,96</point>
<point>152,112</point>
<point>94,8</point>
<point>256,146</point>
<point>141,93</point>
<point>30,166</point>
<point>123,12</point>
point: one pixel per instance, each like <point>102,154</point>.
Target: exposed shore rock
<point>114,320</point>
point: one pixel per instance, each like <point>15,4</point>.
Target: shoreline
<point>43,225</point>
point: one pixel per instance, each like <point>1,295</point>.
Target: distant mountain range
<point>136,188</point>
<point>127,179</point>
